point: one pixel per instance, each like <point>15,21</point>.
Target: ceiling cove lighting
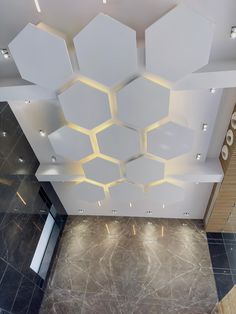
<point>42,133</point>
<point>37,6</point>
<point>212,90</point>
<point>21,198</point>
<point>204,127</point>
<point>5,53</point>
<point>233,32</point>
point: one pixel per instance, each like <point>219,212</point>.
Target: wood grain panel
<point>223,201</point>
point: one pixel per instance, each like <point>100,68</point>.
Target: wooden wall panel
<point>222,203</point>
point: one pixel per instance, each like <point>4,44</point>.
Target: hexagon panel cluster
<point>109,119</point>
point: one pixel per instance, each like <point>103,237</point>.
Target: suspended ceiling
<point>124,123</point>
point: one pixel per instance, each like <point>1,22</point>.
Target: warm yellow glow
<point>157,79</point>
<point>91,83</point>
<point>21,198</point>
<point>162,231</point>
<point>134,230</point>
<point>103,126</point>
<point>113,104</point>
<point>78,128</point>
<point>37,6</point>
<point>108,231</point>
<point>94,143</point>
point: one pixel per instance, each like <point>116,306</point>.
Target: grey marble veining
<point>131,265</point>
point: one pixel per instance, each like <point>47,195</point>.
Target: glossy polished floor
<point>126,265</point>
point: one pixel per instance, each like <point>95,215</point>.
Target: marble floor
<point>111,265</point>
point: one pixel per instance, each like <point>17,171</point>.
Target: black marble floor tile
<point>23,297</point>
<point>36,301</point>
<point>224,283</point>
<point>3,266</point>
<point>219,257</point>
<point>8,287</point>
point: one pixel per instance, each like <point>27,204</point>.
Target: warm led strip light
<point>21,198</point>
<point>37,6</point>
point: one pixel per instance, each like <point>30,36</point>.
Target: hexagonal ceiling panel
<point>126,191</point>
<point>119,142</point>
<point>85,106</point>
<point>88,192</point>
<point>102,170</point>
<point>145,170</point>
<point>177,44</point>
<point>170,140</point>
<point>166,193</point>
<point>41,57</point>
<point>71,144</point>
<point>106,50</point>
<point>142,102</point>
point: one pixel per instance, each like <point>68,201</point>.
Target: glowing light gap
<point>37,6</point>
<point>21,198</point>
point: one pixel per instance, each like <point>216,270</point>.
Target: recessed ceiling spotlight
<point>149,212</point>
<point>99,204</point>
<point>114,211</point>
<point>198,156</point>
<point>4,133</point>
<point>54,159</point>
<point>212,90</point>
<point>27,101</point>
<point>81,211</point>
<point>5,53</point>
<point>37,6</point>
<point>21,160</point>
<point>233,32</point>
<point>42,133</point>
<point>204,127</point>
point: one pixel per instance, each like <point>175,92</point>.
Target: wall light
<point>104,1</point>
<point>212,90</point>
<point>204,127</point>
<point>198,156</point>
<point>81,211</point>
<point>4,134</point>
<point>114,211</point>
<point>149,212</point>
<point>5,53</point>
<point>99,204</point>
<point>163,206</point>
<point>27,101</point>
<point>233,32</point>
<point>21,198</point>
<point>54,159</point>
<point>21,160</point>
<point>42,133</point>
<point>130,205</point>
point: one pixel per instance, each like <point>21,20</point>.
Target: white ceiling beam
<point>209,171</point>
<point>59,172</point>
<point>217,75</point>
<point>19,90</point>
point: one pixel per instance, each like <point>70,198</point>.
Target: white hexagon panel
<point>145,170</point>
<point>41,57</point>
<point>166,193</point>
<point>179,43</point>
<point>102,170</point>
<point>142,102</point>
<point>88,192</point>
<point>85,105</point>
<point>170,140</point>
<point>119,142</point>
<point>126,191</point>
<point>106,50</point>
<point>70,143</point>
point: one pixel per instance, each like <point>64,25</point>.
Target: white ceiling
<point>136,153</point>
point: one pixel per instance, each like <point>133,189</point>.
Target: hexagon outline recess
<point>125,191</point>
<point>145,170</point>
<point>170,140</point>
<point>101,170</point>
<point>49,67</point>
<point>172,57</point>
<point>119,142</point>
<point>85,106</point>
<point>166,193</point>
<point>142,102</point>
<point>115,47</point>
<point>70,143</point>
